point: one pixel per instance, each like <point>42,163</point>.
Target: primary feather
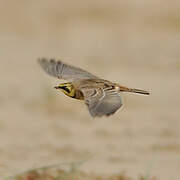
<point>64,71</point>
<point>101,102</point>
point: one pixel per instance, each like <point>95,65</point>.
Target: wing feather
<point>64,71</point>
<point>105,102</point>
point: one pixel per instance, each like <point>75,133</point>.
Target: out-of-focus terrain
<point>134,43</point>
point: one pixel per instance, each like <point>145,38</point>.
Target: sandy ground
<point>133,43</point>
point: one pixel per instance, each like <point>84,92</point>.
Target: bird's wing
<point>64,71</point>
<point>101,102</point>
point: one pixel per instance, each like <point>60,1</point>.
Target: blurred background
<point>135,43</point>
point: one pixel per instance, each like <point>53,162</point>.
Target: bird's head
<point>67,89</point>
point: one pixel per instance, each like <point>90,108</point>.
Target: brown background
<point>135,43</point>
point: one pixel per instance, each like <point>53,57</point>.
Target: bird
<point>101,96</point>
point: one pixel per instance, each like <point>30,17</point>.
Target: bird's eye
<point>66,89</point>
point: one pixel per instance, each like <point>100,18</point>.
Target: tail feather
<point>139,91</point>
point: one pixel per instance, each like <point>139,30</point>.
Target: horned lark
<point>102,97</point>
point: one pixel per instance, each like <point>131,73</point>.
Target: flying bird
<point>102,97</point>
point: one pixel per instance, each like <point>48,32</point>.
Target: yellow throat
<point>67,89</point>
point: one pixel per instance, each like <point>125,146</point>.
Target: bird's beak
<point>56,87</point>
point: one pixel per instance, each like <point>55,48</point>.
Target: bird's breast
<point>78,95</point>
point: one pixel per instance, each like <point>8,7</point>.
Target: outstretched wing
<point>64,71</point>
<point>101,102</point>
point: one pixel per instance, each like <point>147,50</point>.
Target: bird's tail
<point>139,91</point>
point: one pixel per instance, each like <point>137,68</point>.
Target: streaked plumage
<point>101,96</point>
